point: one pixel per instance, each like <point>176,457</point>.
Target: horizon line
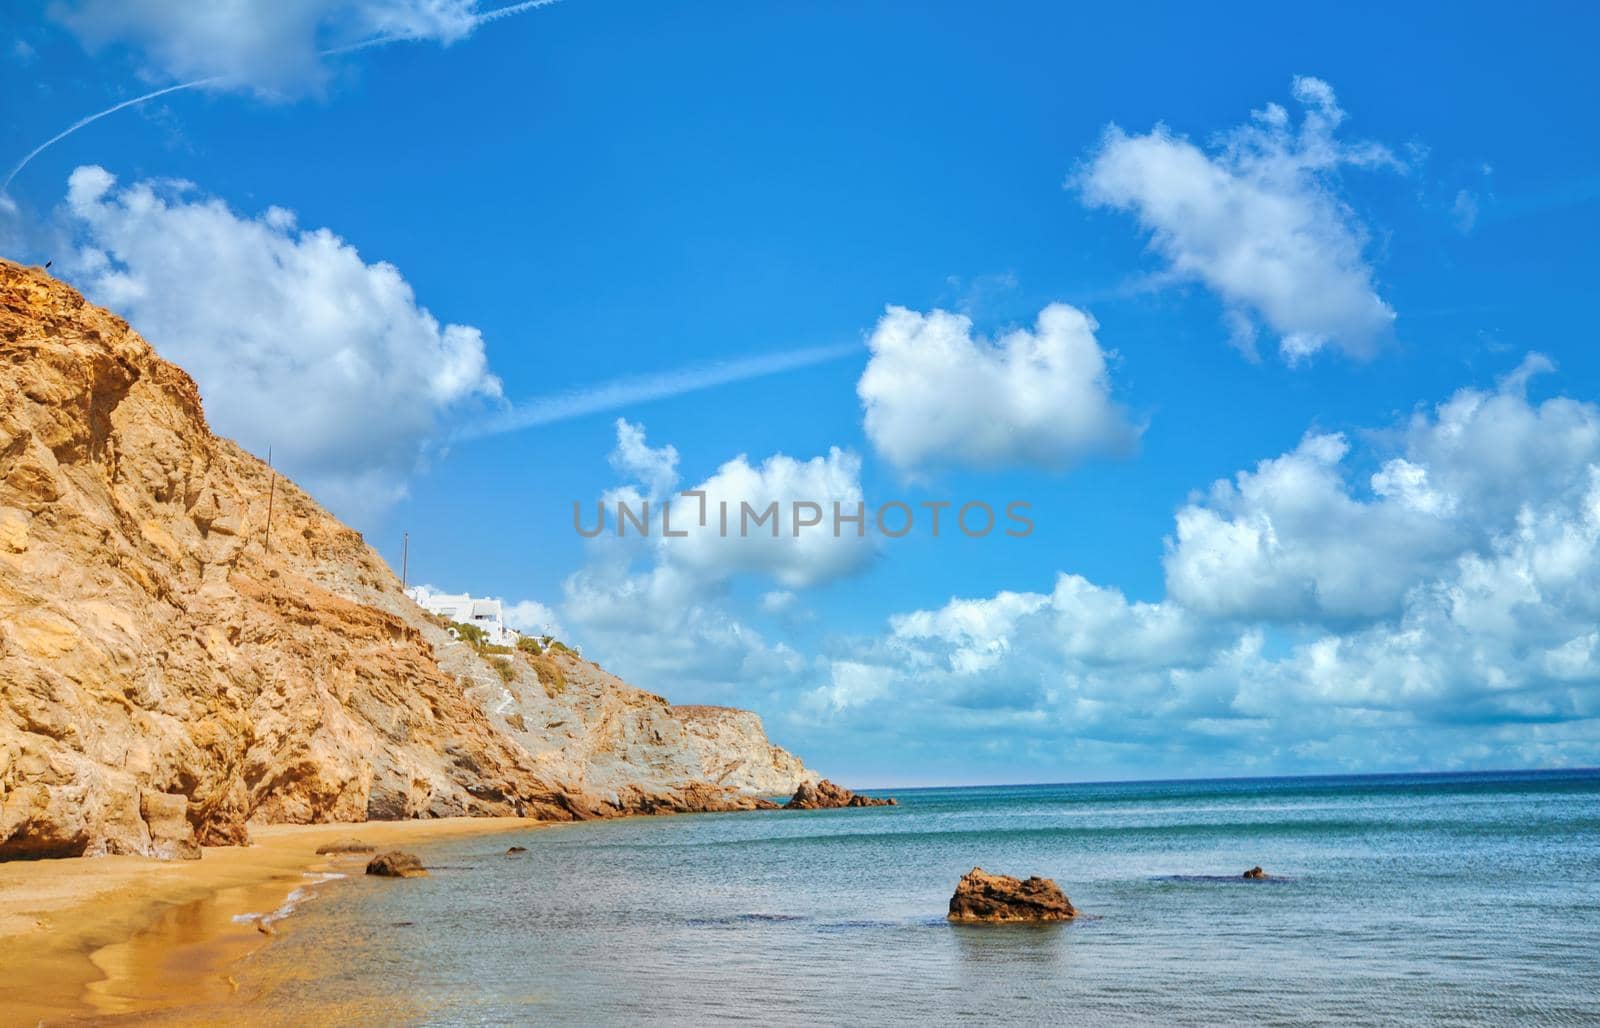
<point>1584,769</point>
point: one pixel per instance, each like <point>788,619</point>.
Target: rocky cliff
<point>169,673</point>
<point>733,750</point>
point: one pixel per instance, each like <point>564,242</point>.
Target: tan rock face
<point>733,750</point>
<point>151,646</point>
<point>983,897</point>
<point>166,818</point>
<point>616,749</point>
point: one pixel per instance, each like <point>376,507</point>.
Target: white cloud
<point>1297,540</point>
<point>795,558</point>
<point>1438,610</point>
<point>935,395</point>
<point>532,617</point>
<point>271,48</point>
<point>658,608</point>
<point>741,532</point>
<point>295,341</point>
<point>852,684</point>
<point>777,601</point>
<point>1258,220</point>
<point>654,468</point>
<point>668,630</point>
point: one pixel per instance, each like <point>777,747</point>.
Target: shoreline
<point>98,936</point>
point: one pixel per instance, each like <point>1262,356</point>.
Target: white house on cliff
<point>467,610</point>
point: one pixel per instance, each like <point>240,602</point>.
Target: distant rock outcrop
<point>1255,872</point>
<point>825,795</point>
<point>982,897</point>
<point>397,864</point>
<point>733,751</point>
<point>168,677</point>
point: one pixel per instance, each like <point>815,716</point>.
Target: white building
<point>467,610</point>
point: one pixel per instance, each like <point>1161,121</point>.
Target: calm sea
<point>1456,899</point>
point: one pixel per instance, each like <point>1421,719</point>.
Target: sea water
<point>1456,899</point>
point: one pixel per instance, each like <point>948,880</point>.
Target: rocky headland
<point>170,675</point>
<point>825,795</point>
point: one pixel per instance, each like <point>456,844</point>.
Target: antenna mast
<point>271,492</point>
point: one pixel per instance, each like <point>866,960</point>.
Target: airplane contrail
<point>81,122</point>
<point>481,19</point>
<point>623,392</point>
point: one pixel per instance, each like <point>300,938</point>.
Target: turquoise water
<point>1459,899</point>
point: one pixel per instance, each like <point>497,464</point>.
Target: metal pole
<point>405,558</point>
<point>271,492</point>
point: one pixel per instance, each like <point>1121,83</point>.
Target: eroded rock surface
<point>983,897</point>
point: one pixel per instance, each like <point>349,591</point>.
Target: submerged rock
<point>981,896</point>
<point>396,864</point>
<point>826,796</point>
<point>516,849</point>
<point>1255,872</point>
<point>346,846</point>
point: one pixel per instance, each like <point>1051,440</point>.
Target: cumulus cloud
<point>742,520</point>
<point>933,394</point>
<point>1300,538</point>
<point>1436,610</point>
<point>296,342</point>
<point>1290,541</point>
<point>670,630</point>
<point>270,48</point>
<point>532,617</point>
<point>661,609</point>
<point>1258,219</point>
<point>795,558</point>
<point>654,468</point>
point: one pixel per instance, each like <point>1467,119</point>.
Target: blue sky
<point>593,191</point>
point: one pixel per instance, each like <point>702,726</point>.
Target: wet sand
<point>94,936</point>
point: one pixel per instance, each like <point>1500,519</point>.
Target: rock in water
<point>397,865</point>
<point>1255,872</point>
<point>516,849</point>
<point>827,796</point>
<point>981,896</point>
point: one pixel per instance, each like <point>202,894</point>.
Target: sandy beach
<point>94,936</point>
